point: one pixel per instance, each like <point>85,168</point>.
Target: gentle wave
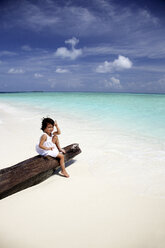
<point>8,108</point>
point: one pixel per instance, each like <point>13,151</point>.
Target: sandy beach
<point>86,210</point>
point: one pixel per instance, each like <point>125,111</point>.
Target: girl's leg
<point>62,164</point>
<point>55,140</point>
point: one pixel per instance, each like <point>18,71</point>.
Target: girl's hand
<point>51,148</point>
<point>55,123</point>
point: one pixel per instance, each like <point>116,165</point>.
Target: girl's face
<point>49,128</point>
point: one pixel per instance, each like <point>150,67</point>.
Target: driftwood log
<point>31,171</point>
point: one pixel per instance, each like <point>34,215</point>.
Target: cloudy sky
<point>80,45</point>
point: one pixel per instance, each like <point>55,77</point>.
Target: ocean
<point>122,135</point>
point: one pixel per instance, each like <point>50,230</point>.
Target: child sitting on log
<point>49,143</point>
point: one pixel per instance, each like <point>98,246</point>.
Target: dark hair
<point>45,122</point>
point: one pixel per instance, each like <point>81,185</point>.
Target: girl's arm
<point>42,140</point>
<point>58,130</point>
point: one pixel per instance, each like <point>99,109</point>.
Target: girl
<point>49,144</point>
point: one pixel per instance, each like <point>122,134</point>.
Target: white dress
<point>47,143</point>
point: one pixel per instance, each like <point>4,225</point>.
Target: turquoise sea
<point>142,113</point>
<point>121,134</point>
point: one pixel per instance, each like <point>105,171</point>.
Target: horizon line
<point>45,91</point>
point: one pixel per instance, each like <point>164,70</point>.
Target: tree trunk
<point>31,171</point>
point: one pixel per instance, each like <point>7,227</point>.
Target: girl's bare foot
<point>62,150</point>
<point>64,173</point>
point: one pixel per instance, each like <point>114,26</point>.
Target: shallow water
<point>122,134</point>
<point>144,113</point>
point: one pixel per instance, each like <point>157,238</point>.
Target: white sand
<point>86,210</point>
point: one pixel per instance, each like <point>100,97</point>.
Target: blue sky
<point>97,45</point>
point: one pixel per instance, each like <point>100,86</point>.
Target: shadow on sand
<point>67,164</point>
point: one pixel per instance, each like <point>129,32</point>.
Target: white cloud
<point>74,41</point>
<point>118,64</point>
<point>49,15</point>
<point>115,80</point>
<point>7,53</point>
<point>38,75</point>
<point>35,16</point>
<point>72,54</point>
<point>113,83</point>
<point>71,18</point>
<point>105,67</point>
<point>59,70</point>
<point>122,63</point>
<point>63,52</point>
<point>15,71</point>
<point>26,48</point>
